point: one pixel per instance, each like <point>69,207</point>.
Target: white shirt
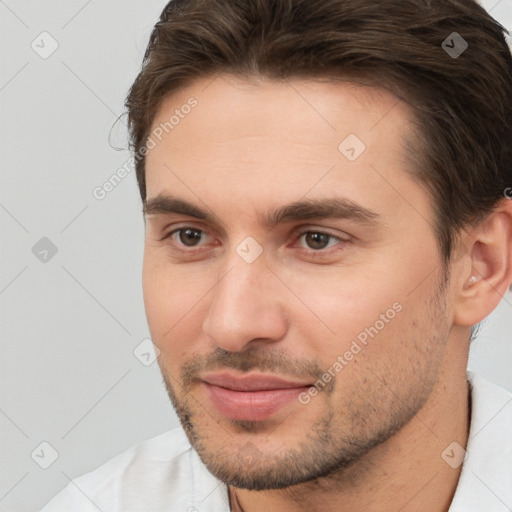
<point>165,474</point>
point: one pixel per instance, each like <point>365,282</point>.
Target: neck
<point>407,472</point>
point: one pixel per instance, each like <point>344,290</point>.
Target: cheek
<point>174,300</point>
<point>341,305</point>
<point>155,294</point>
<point>160,296</point>
<point>370,318</point>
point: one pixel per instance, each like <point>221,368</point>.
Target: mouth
<point>254,397</point>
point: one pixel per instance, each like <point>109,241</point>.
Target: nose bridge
<point>245,305</point>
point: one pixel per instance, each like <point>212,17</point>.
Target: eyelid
<point>298,233</point>
<point>182,247</point>
<point>175,228</point>
<point>301,230</point>
<point>320,252</point>
<point>342,236</point>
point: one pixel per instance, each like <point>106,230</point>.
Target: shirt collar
<point>485,481</point>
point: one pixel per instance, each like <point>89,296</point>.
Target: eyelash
<point>313,252</point>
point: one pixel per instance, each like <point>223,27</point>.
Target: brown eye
<point>316,240</point>
<point>189,236</point>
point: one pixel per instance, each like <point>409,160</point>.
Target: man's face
<point>348,300</point>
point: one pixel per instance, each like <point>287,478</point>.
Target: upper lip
<point>252,382</point>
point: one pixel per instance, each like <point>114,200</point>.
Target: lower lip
<point>251,405</point>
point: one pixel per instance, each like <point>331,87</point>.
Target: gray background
<point>71,320</point>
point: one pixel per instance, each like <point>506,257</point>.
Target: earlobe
<point>490,276</point>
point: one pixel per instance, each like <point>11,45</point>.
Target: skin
<point>373,439</point>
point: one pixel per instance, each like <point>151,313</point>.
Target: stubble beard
<point>384,400</point>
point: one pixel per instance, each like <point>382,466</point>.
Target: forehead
<point>262,142</point>
<point>254,106</point>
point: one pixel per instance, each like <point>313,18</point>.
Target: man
<point>324,186</point>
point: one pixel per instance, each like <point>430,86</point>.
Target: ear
<point>487,271</point>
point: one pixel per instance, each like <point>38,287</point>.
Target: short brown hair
<point>461,148</point>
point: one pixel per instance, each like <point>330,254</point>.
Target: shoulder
<point>491,408</point>
<point>151,475</point>
<point>485,482</point>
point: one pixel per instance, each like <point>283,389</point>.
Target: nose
<point>247,307</point>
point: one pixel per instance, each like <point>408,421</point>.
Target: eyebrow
<point>305,209</point>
